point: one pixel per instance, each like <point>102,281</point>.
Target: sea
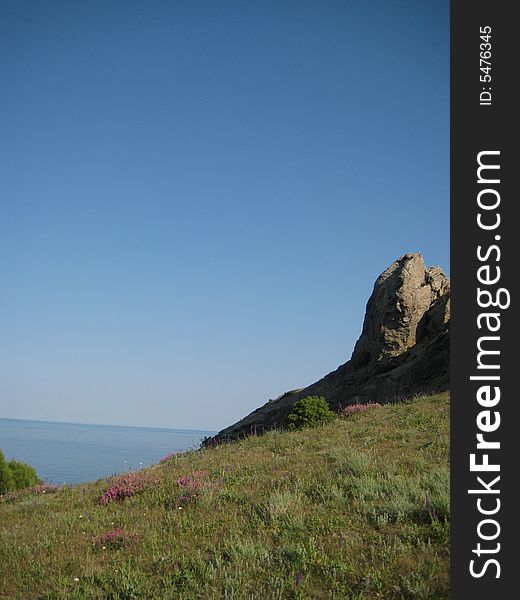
<point>74,453</point>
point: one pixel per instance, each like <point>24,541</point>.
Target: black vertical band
<point>485,360</point>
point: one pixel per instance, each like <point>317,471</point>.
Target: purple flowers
<point>10,497</point>
<point>191,482</point>
<point>116,538</point>
<point>45,488</point>
<point>357,408</point>
<point>37,490</point>
<point>128,485</point>
<point>192,485</point>
<point>167,457</point>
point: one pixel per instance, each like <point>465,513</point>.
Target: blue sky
<point>196,197</point>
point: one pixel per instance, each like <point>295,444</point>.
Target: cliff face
<point>403,349</point>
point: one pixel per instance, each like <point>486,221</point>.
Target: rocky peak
<point>402,295</point>
<point>403,349</point>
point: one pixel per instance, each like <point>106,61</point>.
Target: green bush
<point>311,411</point>
<point>23,475</point>
<point>6,477</point>
<point>15,475</point>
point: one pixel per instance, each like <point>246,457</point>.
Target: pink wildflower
<point>10,497</point>
<point>116,538</point>
<point>128,485</point>
<point>45,488</point>
<point>192,485</point>
<point>357,408</point>
<point>167,457</point>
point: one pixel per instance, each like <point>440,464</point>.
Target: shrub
<point>23,475</point>
<point>311,411</point>
<point>6,477</point>
<point>15,475</point>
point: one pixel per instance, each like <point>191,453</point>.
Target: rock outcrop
<point>403,349</point>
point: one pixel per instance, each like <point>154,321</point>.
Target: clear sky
<point>197,196</point>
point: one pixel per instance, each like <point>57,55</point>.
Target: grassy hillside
<point>356,509</point>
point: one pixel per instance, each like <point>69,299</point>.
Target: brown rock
<point>401,297</point>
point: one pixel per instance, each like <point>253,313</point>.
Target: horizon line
<point>108,425</point>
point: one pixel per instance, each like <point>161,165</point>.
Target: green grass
<point>356,509</point>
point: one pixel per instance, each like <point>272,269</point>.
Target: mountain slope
<point>356,509</point>
<point>403,349</point>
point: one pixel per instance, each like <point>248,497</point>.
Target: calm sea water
<point>72,453</point>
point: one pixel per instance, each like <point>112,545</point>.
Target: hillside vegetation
<point>358,508</point>
<point>15,475</point>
